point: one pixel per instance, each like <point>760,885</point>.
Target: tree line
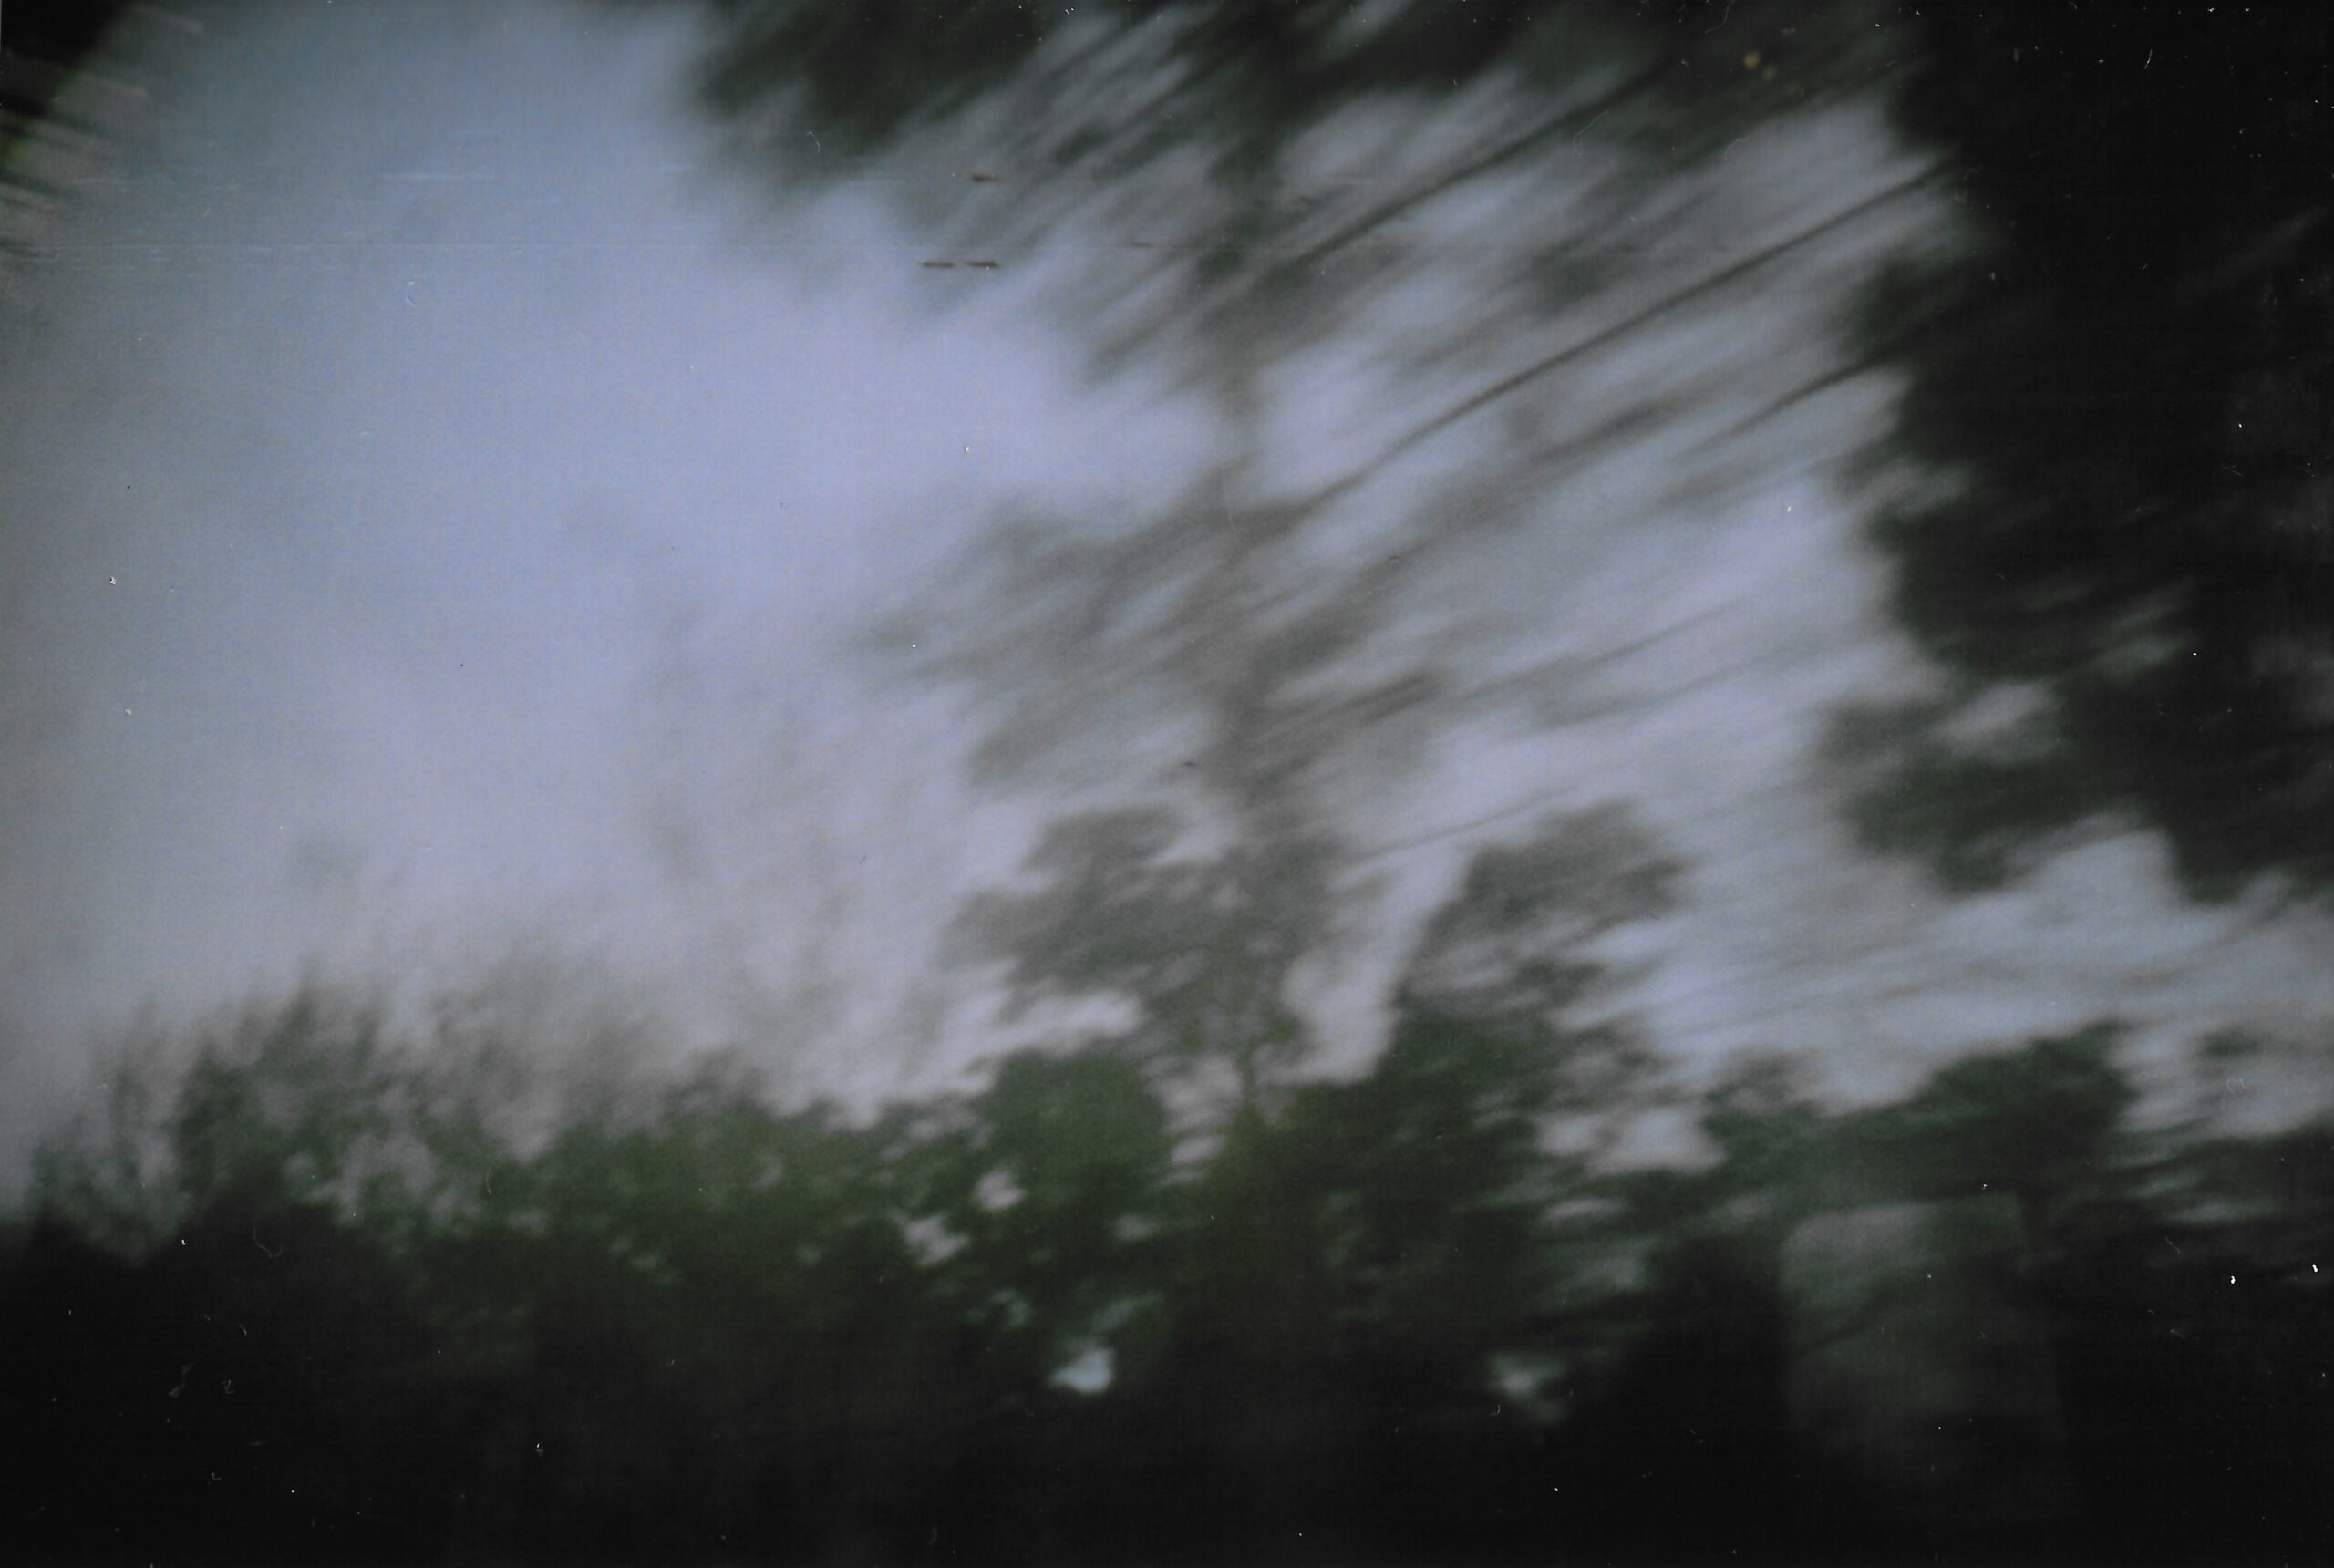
<point>342,1297</point>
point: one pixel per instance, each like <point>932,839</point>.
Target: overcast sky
<point>444,516</point>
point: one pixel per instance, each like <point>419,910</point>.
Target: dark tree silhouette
<point>2123,388</point>
<point>1388,1322</point>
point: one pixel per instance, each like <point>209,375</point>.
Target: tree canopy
<point>2112,367</point>
<point>2121,388</point>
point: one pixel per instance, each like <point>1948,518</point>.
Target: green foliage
<point>2035,1123</point>
<point>1385,1314</point>
<point>281,1109</point>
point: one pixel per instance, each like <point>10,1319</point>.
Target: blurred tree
<point>2121,388</point>
<point>2036,1124</point>
<point>1045,1210</point>
<point>1225,190</point>
<point>1388,1321</point>
<point>2114,389</point>
<point>1202,948</point>
<point>1514,948</point>
<point>279,1108</point>
<point>105,1173</point>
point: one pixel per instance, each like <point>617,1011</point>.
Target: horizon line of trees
<point>356,1315</point>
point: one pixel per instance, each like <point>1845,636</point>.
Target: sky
<point>451,519</point>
